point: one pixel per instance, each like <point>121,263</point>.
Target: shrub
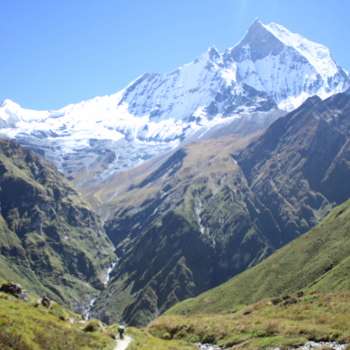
<point>93,326</point>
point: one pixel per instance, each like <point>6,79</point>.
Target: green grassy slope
<point>27,326</point>
<point>316,261</point>
<point>143,340</point>
<point>264,325</point>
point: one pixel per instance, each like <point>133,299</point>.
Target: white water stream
<point>208,347</point>
<point>108,273</point>
<point>87,312</point>
<point>107,278</point>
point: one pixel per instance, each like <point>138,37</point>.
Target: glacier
<point>270,71</point>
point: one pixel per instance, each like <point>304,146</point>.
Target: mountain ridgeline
<point>270,70</point>
<point>50,240</point>
<point>199,218</point>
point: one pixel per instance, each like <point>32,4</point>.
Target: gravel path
<point>122,344</point>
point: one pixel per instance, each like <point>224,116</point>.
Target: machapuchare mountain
<point>50,240</point>
<point>244,88</point>
<point>192,220</point>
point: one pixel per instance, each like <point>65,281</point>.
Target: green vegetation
<point>206,216</point>
<point>316,261</point>
<point>195,218</point>
<point>289,321</point>
<point>300,293</point>
<point>30,326</point>
<point>143,340</point>
<point>181,229</point>
<point>50,241</point>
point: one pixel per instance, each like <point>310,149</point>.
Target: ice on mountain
<point>271,67</point>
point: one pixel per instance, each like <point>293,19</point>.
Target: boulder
<point>46,302</point>
<point>11,288</point>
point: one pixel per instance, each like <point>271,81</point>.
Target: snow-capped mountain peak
<point>270,67</point>
<point>272,38</point>
<point>7,103</point>
<point>287,66</point>
<point>318,55</point>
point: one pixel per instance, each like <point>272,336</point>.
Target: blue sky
<point>55,52</point>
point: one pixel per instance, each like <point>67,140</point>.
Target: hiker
<point>121,331</point>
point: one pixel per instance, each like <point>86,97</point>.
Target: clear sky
<point>55,52</point>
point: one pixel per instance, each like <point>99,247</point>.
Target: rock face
<point>300,166</point>
<point>271,69</point>
<point>197,218</point>
<point>49,238</point>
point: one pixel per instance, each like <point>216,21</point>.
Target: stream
<point>107,278</point>
<point>208,347</point>
<point>87,312</point>
<point>108,273</point>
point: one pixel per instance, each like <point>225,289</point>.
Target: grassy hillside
<point>283,323</point>
<point>317,261</point>
<point>27,326</point>
<point>143,340</point>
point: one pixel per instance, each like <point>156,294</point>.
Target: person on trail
<point>121,331</point>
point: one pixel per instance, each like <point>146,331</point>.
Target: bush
<point>93,326</point>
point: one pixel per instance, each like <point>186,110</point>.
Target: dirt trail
<point>122,344</point>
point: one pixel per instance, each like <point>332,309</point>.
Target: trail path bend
<point>122,344</point>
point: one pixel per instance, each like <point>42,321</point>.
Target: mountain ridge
<point>238,201</point>
<point>158,112</point>
<point>50,240</point>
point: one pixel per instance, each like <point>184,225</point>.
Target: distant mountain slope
<point>300,166</point>
<point>173,230</point>
<point>317,261</point>
<point>270,69</point>
<point>49,239</point>
<point>201,215</point>
<point>300,293</point>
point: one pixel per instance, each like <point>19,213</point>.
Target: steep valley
<point>50,240</point>
<point>209,211</point>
